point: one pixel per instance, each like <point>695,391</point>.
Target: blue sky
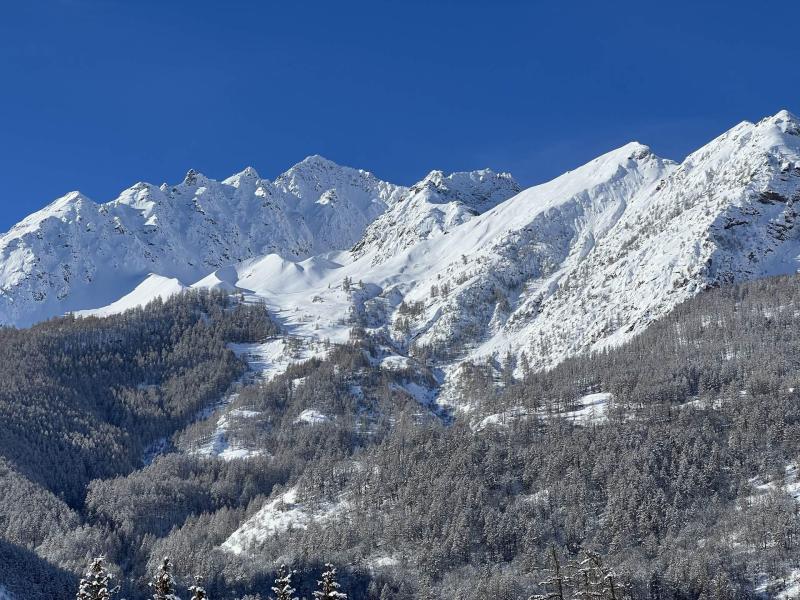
<point>96,95</point>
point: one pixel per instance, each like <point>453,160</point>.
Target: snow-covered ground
<point>311,416</point>
<point>219,443</point>
<point>586,260</point>
<point>462,261</point>
<point>790,483</point>
<point>153,287</point>
<point>265,360</point>
<point>591,408</point>
<point>277,516</point>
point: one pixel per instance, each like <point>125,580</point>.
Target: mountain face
<point>588,259</point>
<point>433,207</point>
<point>462,266</point>
<point>76,254</point>
<point>599,253</point>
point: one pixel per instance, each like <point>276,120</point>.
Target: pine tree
<point>283,585</point>
<point>163,584</point>
<point>197,591</point>
<point>328,586</point>
<point>96,582</point>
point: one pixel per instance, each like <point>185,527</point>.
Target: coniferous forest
<point>684,487</point>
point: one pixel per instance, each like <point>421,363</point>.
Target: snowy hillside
<point>462,287</point>
<point>453,267</point>
<point>433,207</point>
<point>76,254</point>
<point>589,258</point>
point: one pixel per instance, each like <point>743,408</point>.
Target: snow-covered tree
<point>96,582</point>
<point>283,585</point>
<point>163,584</point>
<point>197,591</point>
<point>556,582</point>
<point>328,586</point>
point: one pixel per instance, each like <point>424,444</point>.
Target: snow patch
<point>277,516</point>
<point>312,417</point>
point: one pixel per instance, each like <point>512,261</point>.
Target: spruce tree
<point>163,584</point>
<point>328,586</point>
<point>197,591</point>
<point>283,585</point>
<point>96,582</point>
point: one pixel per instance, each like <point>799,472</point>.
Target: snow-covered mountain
<point>461,264</point>
<point>458,290</point>
<point>433,207</point>
<point>75,254</point>
<point>587,259</point>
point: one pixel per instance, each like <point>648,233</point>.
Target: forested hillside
<point>680,482</point>
<point>84,399</point>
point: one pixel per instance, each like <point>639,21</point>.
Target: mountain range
<point>466,260</point>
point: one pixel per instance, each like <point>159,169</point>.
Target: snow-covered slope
<point>75,254</point>
<point>458,288</point>
<point>433,207</point>
<point>587,259</point>
<point>153,287</point>
<point>451,268</point>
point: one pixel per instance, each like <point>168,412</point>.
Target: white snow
<point>792,589</point>
<point>383,562</point>
<point>312,417</point>
<point>591,408</point>
<point>78,255</point>
<point>154,286</point>
<point>281,514</point>
<point>581,262</point>
<point>395,362</point>
<point>790,483</point>
<point>265,360</point>
<point>588,409</point>
<point>218,443</point>
<point>586,260</point>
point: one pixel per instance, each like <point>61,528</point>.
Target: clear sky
<point>98,94</point>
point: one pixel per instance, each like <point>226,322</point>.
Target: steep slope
<point>152,288</point>
<point>450,270</point>
<point>75,254</point>
<point>448,288</point>
<point>433,207</point>
<point>727,214</point>
<point>588,259</point>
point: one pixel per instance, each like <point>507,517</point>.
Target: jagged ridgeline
<point>681,484</point>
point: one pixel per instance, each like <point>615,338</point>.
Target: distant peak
<point>248,174</point>
<point>785,121</point>
<point>194,178</point>
<point>318,160</point>
<point>70,199</point>
<point>312,166</point>
<point>436,177</point>
<point>636,150</point>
